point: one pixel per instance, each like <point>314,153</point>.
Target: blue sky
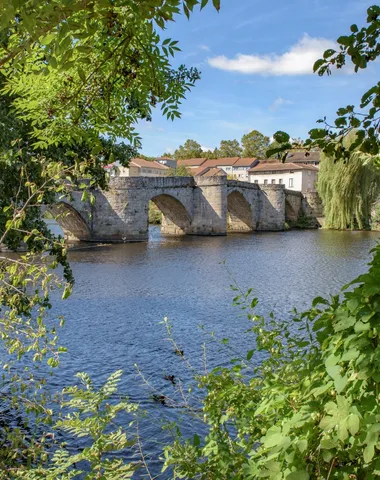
<point>255,58</point>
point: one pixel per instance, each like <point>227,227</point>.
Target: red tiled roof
<point>270,167</point>
<point>246,162</point>
<point>140,162</point>
<point>301,157</point>
<point>221,162</point>
<point>192,162</point>
<point>212,172</point>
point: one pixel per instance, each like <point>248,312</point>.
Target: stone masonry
<point>190,206</point>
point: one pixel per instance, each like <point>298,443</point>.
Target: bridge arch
<point>73,225</point>
<point>239,213</point>
<point>175,218</point>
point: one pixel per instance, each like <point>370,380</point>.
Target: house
<point>304,157</point>
<point>295,176</point>
<point>208,172</point>
<point>138,167</point>
<point>225,164</point>
<point>235,167</point>
<point>191,163</point>
<point>242,166</point>
<point>168,162</point>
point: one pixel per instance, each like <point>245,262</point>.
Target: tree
<point>254,144</point>
<point>167,155</point>
<point>348,189</point>
<point>180,171</point>
<point>229,148</point>
<point>190,149</point>
<point>79,70</point>
<point>75,73</point>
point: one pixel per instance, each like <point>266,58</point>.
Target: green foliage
<point>90,416</point>
<point>80,70</point>
<point>359,47</point>
<point>229,148</point>
<point>74,76</point>
<point>348,189</point>
<point>310,410</point>
<point>155,214</point>
<point>179,171</point>
<point>255,144</point>
<point>375,217</point>
<point>190,149</point>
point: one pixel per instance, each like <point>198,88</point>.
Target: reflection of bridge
<point>190,206</point>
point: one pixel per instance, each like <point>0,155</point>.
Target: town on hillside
<point>299,172</point>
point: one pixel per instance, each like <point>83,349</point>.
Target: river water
<point>123,292</point>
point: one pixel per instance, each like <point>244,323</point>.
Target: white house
<point>138,167</point>
<point>295,176</point>
<point>241,167</point>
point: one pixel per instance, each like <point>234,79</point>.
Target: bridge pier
<point>210,207</point>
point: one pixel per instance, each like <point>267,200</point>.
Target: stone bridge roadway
<point>190,206</point>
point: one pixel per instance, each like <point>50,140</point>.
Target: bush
<point>311,410</point>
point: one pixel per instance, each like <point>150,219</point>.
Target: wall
<point>293,206</point>
<point>240,173</point>
<point>272,208</point>
<point>309,180</point>
<point>284,176</point>
<point>210,206</point>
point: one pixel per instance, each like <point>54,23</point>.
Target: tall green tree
<point>255,144</point>
<point>79,70</point>
<point>348,189</point>
<point>74,73</point>
<point>190,149</point>
<point>229,148</point>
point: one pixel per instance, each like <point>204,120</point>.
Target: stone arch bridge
<point>190,206</point>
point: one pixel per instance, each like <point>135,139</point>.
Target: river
<point>123,292</point>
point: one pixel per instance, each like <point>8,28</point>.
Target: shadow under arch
<point>239,213</point>
<point>291,215</point>
<point>73,225</point>
<point>175,218</point>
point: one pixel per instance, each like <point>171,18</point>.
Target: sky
<point>256,60</point>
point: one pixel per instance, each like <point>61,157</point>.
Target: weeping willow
<point>348,190</point>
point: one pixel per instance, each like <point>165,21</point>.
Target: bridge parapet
<point>124,183</point>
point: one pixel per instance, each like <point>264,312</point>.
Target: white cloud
<point>279,102</point>
<point>206,48</point>
<point>206,149</point>
<point>298,60</point>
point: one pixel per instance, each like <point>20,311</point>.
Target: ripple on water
<point>122,293</point>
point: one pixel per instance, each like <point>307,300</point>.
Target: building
<point>168,162</point>
<point>138,167</point>
<point>191,163</point>
<point>208,172</point>
<point>295,176</point>
<point>306,158</point>
<point>242,166</point>
<point>235,167</point>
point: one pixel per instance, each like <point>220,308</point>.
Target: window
<point>280,181</point>
<point>273,181</point>
<point>265,182</point>
<point>256,181</point>
<point>291,182</point>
